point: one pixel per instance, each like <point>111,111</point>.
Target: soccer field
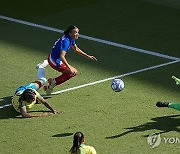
<point>137,41</point>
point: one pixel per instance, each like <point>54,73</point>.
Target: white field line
<point>104,80</point>
<point>3,106</point>
<point>91,38</point>
<point>100,41</point>
<point>114,77</point>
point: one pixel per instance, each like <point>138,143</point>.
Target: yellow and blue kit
<point>15,101</point>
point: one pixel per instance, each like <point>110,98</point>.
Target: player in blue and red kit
<point>58,61</point>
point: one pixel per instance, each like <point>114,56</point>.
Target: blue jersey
<point>62,44</point>
<point>24,87</point>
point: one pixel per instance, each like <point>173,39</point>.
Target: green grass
<point>137,23</point>
<point>112,122</point>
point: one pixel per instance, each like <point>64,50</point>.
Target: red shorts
<point>61,68</point>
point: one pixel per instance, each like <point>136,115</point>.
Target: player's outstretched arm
<point>46,104</point>
<point>25,114</point>
<point>79,51</point>
<point>176,80</point>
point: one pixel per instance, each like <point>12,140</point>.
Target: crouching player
<point>175,106</point>
<point>26,96</point>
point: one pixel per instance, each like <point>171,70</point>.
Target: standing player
<point>175,106</point>
<point>79,146</point>
<point>58,61</point>
<point>26,96</point>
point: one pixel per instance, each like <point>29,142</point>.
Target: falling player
<point>26,96</point>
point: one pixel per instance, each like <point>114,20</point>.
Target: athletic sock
<point>40,76</point>
<point>64,77</point>
<point>175,106</point>
<point>40,73</point>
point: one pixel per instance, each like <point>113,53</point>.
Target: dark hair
<point>69,29</point>
<point>78,138</point>
<point>28,94</point>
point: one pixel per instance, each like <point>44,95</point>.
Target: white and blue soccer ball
<point>117,85</point>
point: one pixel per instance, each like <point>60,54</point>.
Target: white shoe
<point>43,64</point>
<point>51,85</point>
<point>176,80</point>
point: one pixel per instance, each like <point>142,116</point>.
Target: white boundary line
<point>100,41</point>
<point>104,80</point>
<point>7,105</point>
<point>91,38</point>
<point>114,77</point>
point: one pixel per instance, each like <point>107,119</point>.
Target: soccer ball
<point>117,85</point>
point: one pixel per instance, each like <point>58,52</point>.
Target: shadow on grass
<point>63,135</point>
<point>7,111</point>
<point>163,124</point>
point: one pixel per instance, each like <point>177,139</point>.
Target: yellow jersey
<point>85,149</point>
<point>17,105</point>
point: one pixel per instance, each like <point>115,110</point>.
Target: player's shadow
<point>163,124</point>
<point>63,135</point>
<point>6,109</point>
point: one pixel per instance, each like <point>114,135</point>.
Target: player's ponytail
<point>77,141</point>
<point>69,29</point>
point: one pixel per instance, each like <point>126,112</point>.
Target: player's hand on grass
<point>176,80</point>
<point>47,114</point>
<point>55,112</point>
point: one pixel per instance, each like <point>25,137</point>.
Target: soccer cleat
<point>43,64</point>
<point>176,80</point>
<point>51,85</point>
<point>162,104</point>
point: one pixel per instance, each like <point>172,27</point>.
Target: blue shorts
<point>27,86</point>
